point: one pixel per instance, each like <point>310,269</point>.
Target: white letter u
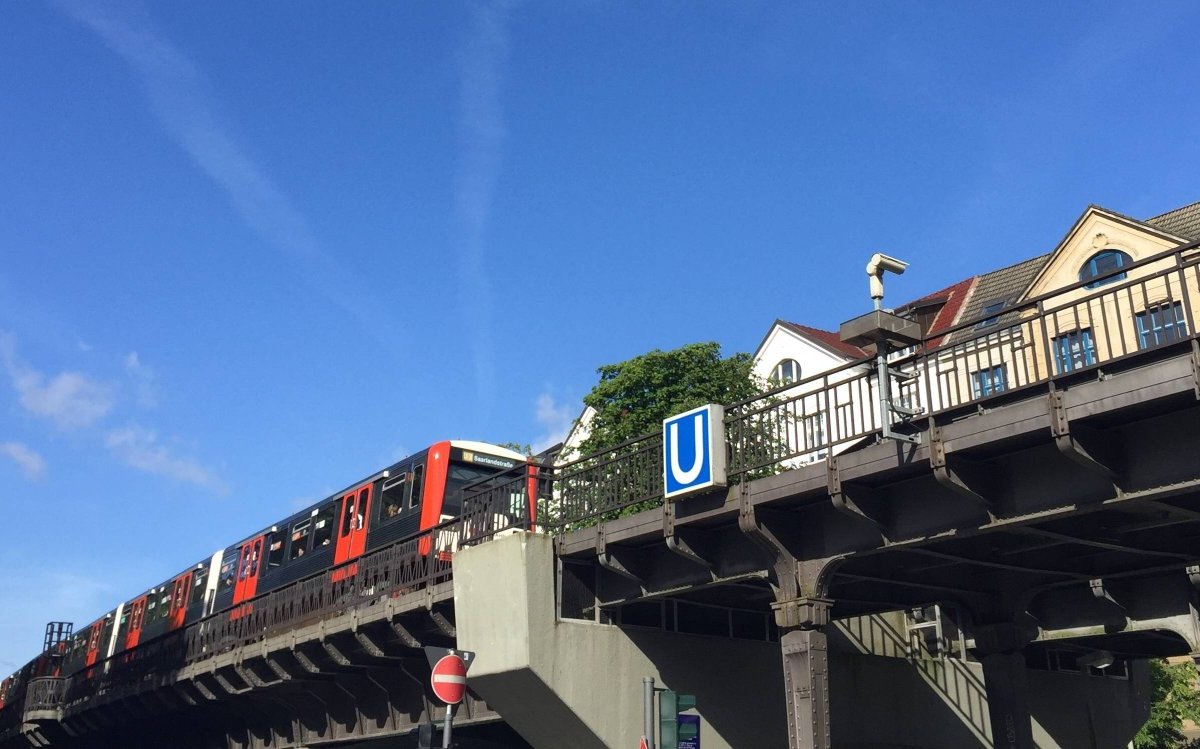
<point>688,476</point>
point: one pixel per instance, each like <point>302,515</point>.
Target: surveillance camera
<point>1095,659</point>
<point>880,262</point>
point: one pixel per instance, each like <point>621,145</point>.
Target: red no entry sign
<point>449,679</point>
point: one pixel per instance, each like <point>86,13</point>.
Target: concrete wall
<point>579,685</point>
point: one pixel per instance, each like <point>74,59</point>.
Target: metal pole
<point>446,728</point>
<point>883,382</point>
<point>648,711</point>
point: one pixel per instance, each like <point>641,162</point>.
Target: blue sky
<point>251,253</point>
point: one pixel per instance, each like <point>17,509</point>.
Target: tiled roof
<point>953,298</point>
<point>1182,222</point>
<point>966,300</point>
<point>826,338</point>
<point>1004,285</point>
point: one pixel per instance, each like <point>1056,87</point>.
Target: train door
<point>248,564</point>
<point>137,615</point>
<point>93,644</point>
<point>179,601</point>
<point>352,526</point>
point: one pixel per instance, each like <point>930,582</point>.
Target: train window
<point>360,517</point>
<point>463,475</point>
<point>164,603</point>
<point>199,580</point>
<point>418,480</point>
<point>227,574</point>
<point>275,551</point>
<point>181,594</point>
<point>347,513</point>
<point>300,533</point>
<point>249,561</point>
<point>393,497</point>
<point>323,525</point>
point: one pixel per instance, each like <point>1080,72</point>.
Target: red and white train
<point>409,497</point>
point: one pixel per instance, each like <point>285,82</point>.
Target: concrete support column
<point>805,670</point>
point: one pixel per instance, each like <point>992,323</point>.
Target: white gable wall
<point>782,343</point>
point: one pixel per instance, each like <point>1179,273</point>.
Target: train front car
<point>411,496</point>
<point>427,489</point>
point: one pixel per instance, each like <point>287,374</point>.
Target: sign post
<point>448,679</point>
<point>647,713</point>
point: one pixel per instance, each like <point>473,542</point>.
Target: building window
<point>1161,324</point>
<point>991,313</point>
<point>988,381</point>
<point>1101,264</point>
<point>1074,350</point>
<point>786,371</point>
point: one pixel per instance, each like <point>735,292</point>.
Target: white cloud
<point>140,448</point>
<point>481,137</point>
<point>143,380</point>
<point>32,464</point>
<point>69,399</point>
<point>556,421</point>
<point>179,95</point>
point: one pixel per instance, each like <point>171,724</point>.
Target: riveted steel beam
<point>854,500</point>
<point>1094,451</point>
<point>969,480</point>
<point>405,635</point>
<point>684,542</point>
<point>624,562</point>
<point>444,625</point>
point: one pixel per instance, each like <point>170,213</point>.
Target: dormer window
<point>1098,266</point>
<point>786,371</point>
<point>991,312</point>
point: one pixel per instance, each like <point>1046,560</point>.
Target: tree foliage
<point>518,447</point>
<point>632,398</point>
<point>1173,698</point>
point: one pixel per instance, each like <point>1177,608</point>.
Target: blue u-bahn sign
<point>694,451</point>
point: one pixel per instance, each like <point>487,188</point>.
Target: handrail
<point>1039,341</point>
<point>45,693</point>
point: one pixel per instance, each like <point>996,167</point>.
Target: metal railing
<point>1070,333</point>
<point>45,693</point>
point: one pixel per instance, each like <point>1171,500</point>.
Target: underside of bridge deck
<point>356,676</point>
<point>1067,516</point>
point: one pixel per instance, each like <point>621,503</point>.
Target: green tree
<point>1173,698</point>
<point>633,397</point>
<point>631,400</point>
<point>518,447</point>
